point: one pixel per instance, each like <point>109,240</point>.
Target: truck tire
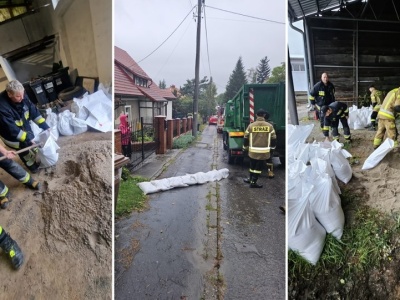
<point>231,159</point>
<point>224,141</point>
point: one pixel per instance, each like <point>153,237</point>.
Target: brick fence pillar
<point>184,125</point>
<point>170,134</point>
<point>161,134</point>
<point>178,126</point>
<point>117,142</point>
<point>190,123</point>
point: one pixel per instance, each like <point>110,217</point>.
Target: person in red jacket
<point>125,135</point>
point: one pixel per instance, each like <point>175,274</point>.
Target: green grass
<point>183,141</point>
<point>130,196</point>
<point>368,240</point>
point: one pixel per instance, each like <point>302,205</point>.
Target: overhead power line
<point>168,36</point>
<point>232,12</point>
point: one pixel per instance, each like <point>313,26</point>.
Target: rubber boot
<point>11,249</point>
<point>248,180</point>
<point>4,202</point>
<point>270,170</point>
<point>253,182</point>
<point>33,184</point>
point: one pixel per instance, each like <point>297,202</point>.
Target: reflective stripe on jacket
<point>260,133</point>
<point>392,99</point>
<point>14,120</point>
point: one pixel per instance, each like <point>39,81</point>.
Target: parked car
<point>213,120</point>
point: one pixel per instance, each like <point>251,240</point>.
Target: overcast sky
<point>140,26</point>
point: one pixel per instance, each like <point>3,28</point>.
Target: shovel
<point>25,149</point>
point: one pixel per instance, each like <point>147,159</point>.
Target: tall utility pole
<point>196,76</point>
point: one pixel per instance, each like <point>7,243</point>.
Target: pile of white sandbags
<point>166,184</point>
<point>314,206</point>
<point>359,118</point>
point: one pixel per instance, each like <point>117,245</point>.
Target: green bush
<point>183,141</point>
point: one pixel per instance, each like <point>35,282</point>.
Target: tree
<point>236,80</point>
<point>263,70</point>
<point>162,84</point>
<point>251,75</point>
<point>182,106</point>
<point>188,87</point>
<point>207,102</point>
<point>278,74</point>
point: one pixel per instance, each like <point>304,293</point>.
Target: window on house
<point>127,110</point>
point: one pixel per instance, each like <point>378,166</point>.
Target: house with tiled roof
<point>135,93</point>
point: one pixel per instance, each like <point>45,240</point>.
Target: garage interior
<point>355,42</point>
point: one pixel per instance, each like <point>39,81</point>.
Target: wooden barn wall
<point>356,54</point>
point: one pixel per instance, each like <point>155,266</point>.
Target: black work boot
<point>248,180</point>
<point>33,184</point>
<point>11,249</point>
<point>254,184</point>
<point>4,201</point>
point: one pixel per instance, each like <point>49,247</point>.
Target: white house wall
<point>85,28</point>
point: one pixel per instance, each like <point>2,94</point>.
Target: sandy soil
<point>65,231</point>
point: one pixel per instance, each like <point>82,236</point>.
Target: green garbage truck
<point>240,112</point>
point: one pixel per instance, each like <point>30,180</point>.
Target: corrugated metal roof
<point>301,8</point>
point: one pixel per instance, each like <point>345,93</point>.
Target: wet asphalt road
<point>169,250</point>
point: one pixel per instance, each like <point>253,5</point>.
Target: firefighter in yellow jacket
<point>260,140</point>
<point>387,116</point>
<point>376,101</point>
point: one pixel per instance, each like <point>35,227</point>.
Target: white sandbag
<point>148,187</point>
<point>201,177</point>
<point>374,159</point>
<point>48,152</point>
<point>320,167</point>
<point>177,181</point>
<point>341,166</point>
<point>326,205</point>
<point>52,121</point>
<point>299,133</point>
<point>305,234</point>
<point>78,107</point>
<point>214,175</point>
<point>224,173</point>
<point>64,123</point>
<point>189,179</point>
<point>182,181</point>
<point>78,125</point>
<point>303,153</point>
<point>296,171</point>
<point>36,130</point>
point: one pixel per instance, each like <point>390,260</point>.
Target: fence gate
<point>142,138</point>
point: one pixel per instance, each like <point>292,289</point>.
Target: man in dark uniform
<point>16,110</point>
<point>331,115</point>
<point>323,93</point>
<point>259,139</point>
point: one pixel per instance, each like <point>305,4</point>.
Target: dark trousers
<point>14,169</point>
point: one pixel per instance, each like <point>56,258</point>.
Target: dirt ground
<point>65,232</point>
<point>379,188</point>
